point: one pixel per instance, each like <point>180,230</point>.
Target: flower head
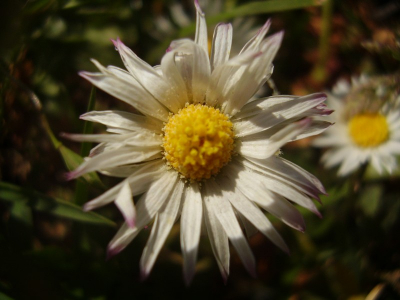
<point>367,125</point>
<point>202,148</point>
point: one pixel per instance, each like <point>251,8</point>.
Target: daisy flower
<point>367,128</point>
<point>202,148</point>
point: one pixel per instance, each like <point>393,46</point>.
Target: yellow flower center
<point>368,129</point>
<point>198,141</point>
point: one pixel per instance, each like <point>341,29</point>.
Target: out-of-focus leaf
<point>5,297</point>
<point>370,199</point>
<point>58,207</point>
<point>22,212</point>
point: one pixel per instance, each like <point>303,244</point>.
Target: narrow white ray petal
<point>253,214</point>
<point>302,186</point>
<point>147,207</point>
<point>315,128</point>
<point>254,147</point>
<point>191,219</point>
<point>254,42</point>
<point>117,157</point>
<point>223,210</point>
<point>95,138</point>
<point>218,238</point>
<point>163,223</point>
<point>349,164</point>
<point>139,181</point>
<point>225,75</point>
<point>269,104</point>
<point>130,92</point>
<point>122,238</point>
<point>264,193</point>
<point>201,28</point>
<point>139,139</point>
<point>221,45</point>
<point>124,202</point>
<point>249,228</point>
<point>125,120</point>
<point>282,188</point>
<point>334,156</point>
<point>289,171</point>
<point>376,163</point>
<point>177,94</point>
<point>261,115</point>
<point>259,71</point>
<point>144,73</point>
<point>194,66</point>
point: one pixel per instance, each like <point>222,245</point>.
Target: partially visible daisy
<point>202,149</point>
<point>367,129</point>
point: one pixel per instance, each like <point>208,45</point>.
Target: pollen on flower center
<point>368,129</point>
<point>198,141</point>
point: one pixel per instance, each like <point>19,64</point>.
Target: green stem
<point>320,73</point>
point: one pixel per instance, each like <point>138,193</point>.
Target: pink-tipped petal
<point>124,202</point>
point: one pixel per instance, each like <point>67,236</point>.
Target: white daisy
<point>202,148</point>
<point>367,125</point>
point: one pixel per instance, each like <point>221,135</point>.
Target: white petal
<point>278,168</point>
<point>144,73</point>
<point>190,229</point>
<point>349,164</point>
<point>138,139</point>
<point>252,213</point>
<point>253,76</point>
<point>334,156</point>
<point>254,43</point>
<point>225,76</point>
<point>256,146</point>
<point>139,181</point>
<point>221,45</point>
<point>147,207</point>
<point>177,94</point>
<point>163,223</point>
<point>218,240</point>
<point>216,202</point>
<point>121,239</point>
<point>260,115</point>
<point>315,128</point>
<point>130,92</point>
<point>117,157</point>
<point>265,192</point>
<point>125,204</point>
<point>125,120</point>
<point>194,66</point>
<point>201,28</point>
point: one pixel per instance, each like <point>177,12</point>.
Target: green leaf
<point>18,195</point>
<point>4,297</point>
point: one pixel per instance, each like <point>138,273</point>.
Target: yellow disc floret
<point>198,141</point>
<point>368,129</point>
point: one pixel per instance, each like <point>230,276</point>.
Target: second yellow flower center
<point>368,129</point>
<point>198,141</point>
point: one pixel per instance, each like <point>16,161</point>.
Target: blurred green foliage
<point>50,249</point>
